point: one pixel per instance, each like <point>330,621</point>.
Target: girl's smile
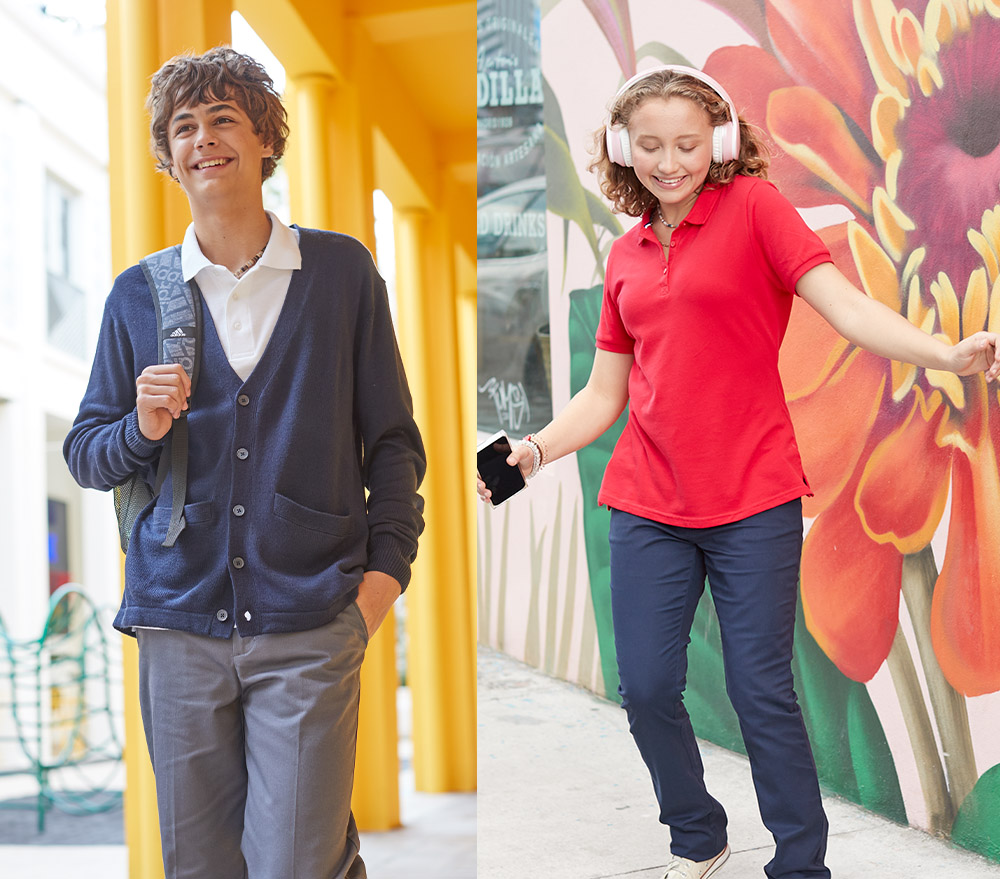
<point>671,142</point>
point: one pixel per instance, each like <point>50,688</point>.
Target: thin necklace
<point>250,263</point>
<point>659,213</point>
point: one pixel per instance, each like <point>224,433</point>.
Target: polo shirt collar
<point>282,251</point>
<point>707,199</point>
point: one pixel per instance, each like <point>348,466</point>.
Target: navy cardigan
<point>300,479</point>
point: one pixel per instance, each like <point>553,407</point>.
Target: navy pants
<point>657,577</point>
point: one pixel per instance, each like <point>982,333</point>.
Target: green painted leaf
<point>662,53</point>
<point>849,744</point>
<point>564,194</point>
<point>552,112</point>
<point>584,315</point>
<point>977,826</point>
<point>601,215</point>
<point>874,768</point>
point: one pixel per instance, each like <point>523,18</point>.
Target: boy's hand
<point>376,594</point>
<point>162,392</point>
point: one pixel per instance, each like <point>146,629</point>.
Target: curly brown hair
<point>220,74</point>
<point>620,184</point>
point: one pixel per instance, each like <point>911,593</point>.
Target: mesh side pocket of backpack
<point>131,497</point>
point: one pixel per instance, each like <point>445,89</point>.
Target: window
<point>65,323</point>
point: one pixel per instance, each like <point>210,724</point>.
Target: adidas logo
<point>178,332</point>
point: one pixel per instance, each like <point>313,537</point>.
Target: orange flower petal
<point>965,613</point>
<point>897,505</point>
<point>873,29</point>
<point>976,304</point>
<point>832,425</point>
<point>850,591</point>
<point>887,111</point>
<point>807,34</point>
<point>810,351</point>
<point>910,35</point>
<point>838,241</point>
<point>892,224</point>
<point>750,74</point>
<point>878,272</point>
<point>812,129</point>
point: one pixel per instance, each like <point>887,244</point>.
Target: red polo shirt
<point>708,439</point>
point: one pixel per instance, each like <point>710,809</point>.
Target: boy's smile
<point>216,151</point>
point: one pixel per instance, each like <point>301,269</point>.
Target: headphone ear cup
<point>725,143</point>
<point>626,147</point>
<point>619,146</point>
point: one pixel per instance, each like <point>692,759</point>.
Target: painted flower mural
<point>894,113</point>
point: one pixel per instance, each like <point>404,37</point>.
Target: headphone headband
<point>725,137</point>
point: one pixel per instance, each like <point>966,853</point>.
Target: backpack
<point>178,309</point>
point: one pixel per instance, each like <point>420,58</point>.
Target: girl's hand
<point>980,352</point>
<point>521,457</point>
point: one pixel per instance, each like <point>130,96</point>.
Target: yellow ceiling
<point>423,53</point>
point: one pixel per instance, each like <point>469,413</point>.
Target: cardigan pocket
<point>306,517</point>
<point>303,542</point>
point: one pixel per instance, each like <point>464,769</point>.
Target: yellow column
<point>461,206</point>
<point>137,199</point>
<point>441,656</point>
<point>354,186</point>
<point>307,156</point>
<point>188,26</point>
<point>313,189</point>
<point>467,377</point>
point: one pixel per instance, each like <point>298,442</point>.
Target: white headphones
<point>725,138</point>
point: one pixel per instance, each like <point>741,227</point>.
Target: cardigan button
<point>243,400</point>
<point>222,615</point>
<point>238,563</point>
<point>242,454</point>
<point>239,510</point>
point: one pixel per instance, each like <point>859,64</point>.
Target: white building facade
<point>54,277</point>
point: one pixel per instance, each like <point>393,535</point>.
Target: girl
<point>706,478</point>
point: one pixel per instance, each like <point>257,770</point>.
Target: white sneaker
<point>684,868</point>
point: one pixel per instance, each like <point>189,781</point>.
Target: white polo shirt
<point>245,309</point>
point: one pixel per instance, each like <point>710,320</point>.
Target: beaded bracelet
<point>536,452</point>
<point>542,448</point>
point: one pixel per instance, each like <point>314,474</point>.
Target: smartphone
<point>491,461</point>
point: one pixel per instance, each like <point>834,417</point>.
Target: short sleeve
<point>785,241</point>
<point>611,333</point>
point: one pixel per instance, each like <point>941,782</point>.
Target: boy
<point>252,626</point>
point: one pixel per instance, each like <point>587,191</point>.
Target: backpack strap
<point>179,325</point>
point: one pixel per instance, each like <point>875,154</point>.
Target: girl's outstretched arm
<point>877,328</point>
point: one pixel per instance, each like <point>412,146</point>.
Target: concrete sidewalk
<point>563,794</point>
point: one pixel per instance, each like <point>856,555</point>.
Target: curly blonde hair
<point>621,185</point>
<point>219,74</point>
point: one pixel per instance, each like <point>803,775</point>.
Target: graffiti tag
<point>511,402</point>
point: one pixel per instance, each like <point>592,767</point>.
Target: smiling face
<point>215,151</point>
<point>671,150</point>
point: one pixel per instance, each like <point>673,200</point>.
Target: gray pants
<point>253,743</point>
